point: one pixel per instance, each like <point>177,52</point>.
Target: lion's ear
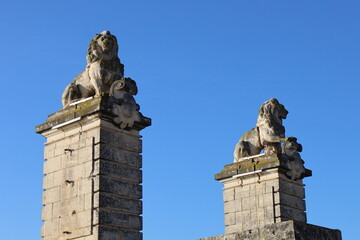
<point>299,147</point>
<point>97,36</point>
<point>261,110</point>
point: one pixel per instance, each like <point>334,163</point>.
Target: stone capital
<point>102,107</point>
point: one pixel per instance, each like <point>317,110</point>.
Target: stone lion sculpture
<point>290,155</point>
<point>102,69</point>
<point>268,133</point>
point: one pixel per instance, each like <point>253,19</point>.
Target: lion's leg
<point>70,93</point>
<point>268,135</point>
<point>98,86</point>
<point>96,78</point>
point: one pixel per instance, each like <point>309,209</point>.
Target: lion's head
<point>103,46</point>
<point>271,112</point>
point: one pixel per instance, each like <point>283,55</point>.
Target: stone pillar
<point>261,202</point>
<point>257,192</point>
<point>92,183</point>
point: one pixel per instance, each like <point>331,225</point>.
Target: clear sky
<point>203,68</point>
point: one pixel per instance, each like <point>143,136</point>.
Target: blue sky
<point>203,68</point>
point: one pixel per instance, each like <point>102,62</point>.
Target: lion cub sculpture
<point>102,69</point>
<point>291,156</point>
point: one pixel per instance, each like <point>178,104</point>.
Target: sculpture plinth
<point>92,183</point>
<point>257,192</point>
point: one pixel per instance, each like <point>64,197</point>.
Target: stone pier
<point>262,202</point>
<point>257,192</point>
<point>92,183</point>
<point>264,195</point>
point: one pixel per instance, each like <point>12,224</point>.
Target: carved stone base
<point>289,230</point>
<point>258,192</point>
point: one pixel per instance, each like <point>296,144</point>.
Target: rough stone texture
<point>92,183</point>
<point>257,192</point>
<point>289,230</point>
<point>102,69</point>
<point>268,133</point>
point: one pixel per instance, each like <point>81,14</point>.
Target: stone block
<point>271,186</point>
<point>290,201</point>
<point>254,215</point>
<point>49,151</point>
<point>242,192</point>
<point>290,213</point>
<point>88,201</point>
<point>48,181</point>
<point>85,186</point>
<point>269,214</point>
<point>268,199</point>
<point>119,171</point>
<point>77,141</point>
<point>291,188</point>
<point>59,151</point>
<point>120,187</point>
<point>68,223</point>
<point>233,228</point>
<point>69,189</point>
<point>118,219</point>
<point>229,206</point>
<point>84,219</point>
<point>243,216</point>
<point>259,189</point>
<point>237,205</point>
<point>249,225</point>
<point>116,202</point>
<point>50,227</point>
<point>46,212</point>
<point>229,219</point>
<point>68,206</point>
<point>229,194</point>
<point>248,203</point>
<point>109,233</point>
<point>52,165</point>
<point>51,195</point>
<point>114,154</point>
<point>59,177</point>
<point>122,140</point>
<point>81,155</point>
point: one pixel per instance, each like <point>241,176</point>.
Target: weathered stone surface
<point>110,233</point>
<point>118,219</point>
<point>118,203</point>
<point>118,187</point>
<point>267,134</point>
<point>124,141</point>
<point>114,154</point>
<point>99,106</point>
<point>252,164</point>
<point>289,230</point>
<point>102,69</point>
<point>290,155</point>
<point>257,192</point>
<point>92,178</point>
<point>119,171</point>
